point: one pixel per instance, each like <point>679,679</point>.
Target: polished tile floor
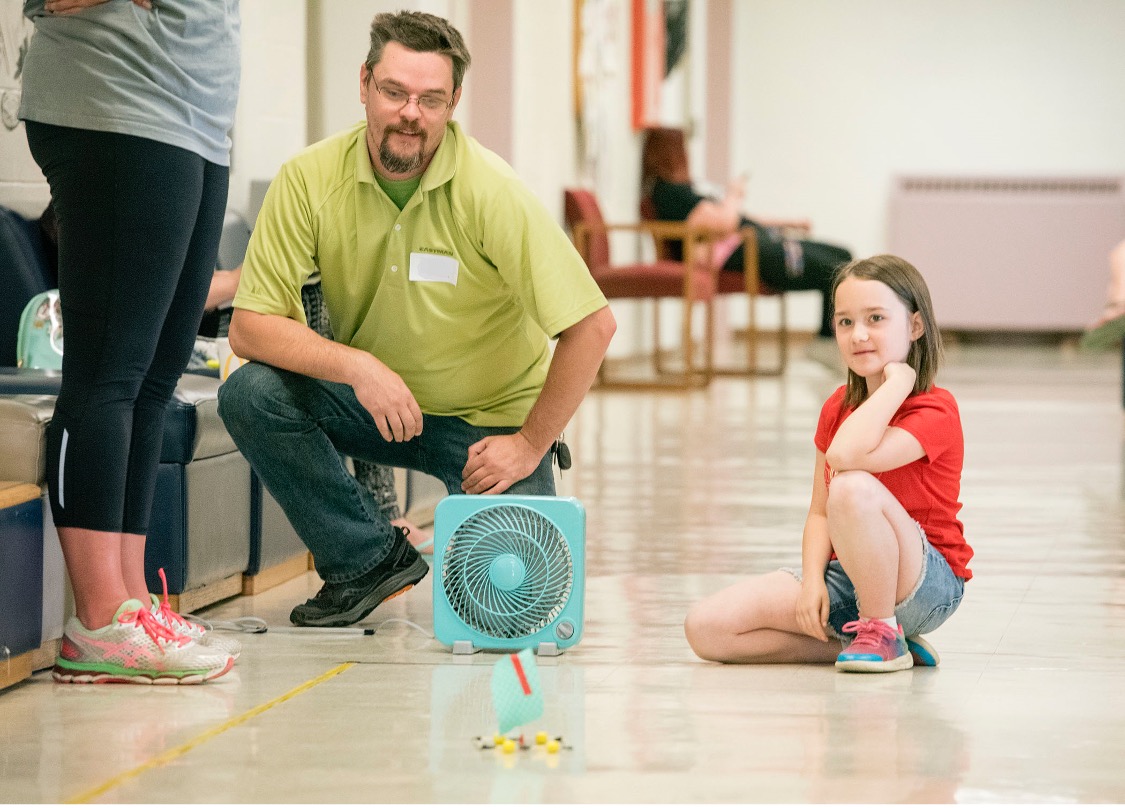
<point>685,493</point>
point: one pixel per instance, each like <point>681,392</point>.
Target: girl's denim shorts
<point>935,597</point>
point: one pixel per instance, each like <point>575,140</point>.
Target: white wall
<point>22,187</point>
<point>271,119</point>
<point>833,99</point>
<point>544,142</point>
<point>339,37</point>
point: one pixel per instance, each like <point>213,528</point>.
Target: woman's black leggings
<point>139,225</point>
<point>815,270</point>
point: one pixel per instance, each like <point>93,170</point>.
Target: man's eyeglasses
<point>431,104</point>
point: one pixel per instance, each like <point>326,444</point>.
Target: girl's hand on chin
<point>899,370</point>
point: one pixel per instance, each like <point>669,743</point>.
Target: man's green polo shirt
<point>457,292</point>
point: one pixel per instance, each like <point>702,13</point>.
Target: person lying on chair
<point>784,263</point>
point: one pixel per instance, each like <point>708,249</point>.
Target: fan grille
<point>507,571</point>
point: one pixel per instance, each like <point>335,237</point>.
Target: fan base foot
<point>466,647</point>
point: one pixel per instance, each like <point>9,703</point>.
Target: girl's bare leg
<point>875,539</point>
<point>755,621</point>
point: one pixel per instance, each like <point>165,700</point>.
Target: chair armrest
<point>794,228</point>
<point>694,238</point>
<point>658,229</point>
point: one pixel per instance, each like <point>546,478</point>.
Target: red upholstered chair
<point>655,280</point>
<point>748,283</point>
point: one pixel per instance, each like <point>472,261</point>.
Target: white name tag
<point>430,267</point>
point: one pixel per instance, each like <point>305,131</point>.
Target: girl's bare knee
<point>701,632</point>
<point>851,486</point>
<point>693,625</point>
<point>852,492</point>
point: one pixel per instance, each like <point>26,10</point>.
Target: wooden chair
<point>747,282</point>
<point>656,280</point>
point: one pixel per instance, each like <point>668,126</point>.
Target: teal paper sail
<point>516,695</point>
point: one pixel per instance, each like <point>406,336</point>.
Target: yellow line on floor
<point>184,748</point>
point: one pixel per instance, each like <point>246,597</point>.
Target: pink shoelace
<point>156,631</point>
<point>166,611</point>
<point>873,633</point>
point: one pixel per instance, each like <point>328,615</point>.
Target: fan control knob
<point>564,630</point>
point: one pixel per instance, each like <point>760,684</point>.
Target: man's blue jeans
<point>293,429</point>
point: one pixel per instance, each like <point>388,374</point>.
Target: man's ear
<point>364,75</point>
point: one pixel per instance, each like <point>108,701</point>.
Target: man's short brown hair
<point>421,32</point>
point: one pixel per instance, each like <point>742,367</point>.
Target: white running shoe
<point>135,648</point>
<point>168,617</point>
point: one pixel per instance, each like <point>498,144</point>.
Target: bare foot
<point>423,540</point>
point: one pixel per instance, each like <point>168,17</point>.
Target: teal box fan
<point>509,573</point>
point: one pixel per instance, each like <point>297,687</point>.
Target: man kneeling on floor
<point>444,280</point>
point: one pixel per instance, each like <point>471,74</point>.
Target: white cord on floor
<point>256,625</point>
<point>245,625</point>
<point>404,621</point>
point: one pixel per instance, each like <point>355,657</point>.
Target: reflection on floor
<point>684,493</point>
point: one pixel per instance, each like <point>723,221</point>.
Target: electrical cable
<point>256,625</point>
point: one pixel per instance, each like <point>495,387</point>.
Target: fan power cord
<point>363,631</point>
<point>405,622</point>
<point>256,625</point>
<point>244,625</point>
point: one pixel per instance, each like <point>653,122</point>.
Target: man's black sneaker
<point>345,603</point>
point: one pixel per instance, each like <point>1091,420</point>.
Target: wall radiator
<point>1010,254</point>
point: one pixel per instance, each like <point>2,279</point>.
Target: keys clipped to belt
<point>562,453</point>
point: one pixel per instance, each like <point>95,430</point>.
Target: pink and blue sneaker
<point>923,654</point>
<point>877,648</point>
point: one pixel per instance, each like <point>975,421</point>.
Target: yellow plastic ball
<point>509,746</point>
<point>552,746</point>
<point>540,738</point>
<point>498,739</point>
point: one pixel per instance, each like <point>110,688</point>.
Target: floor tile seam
<point>182,749</point>
<point>1023,599</point>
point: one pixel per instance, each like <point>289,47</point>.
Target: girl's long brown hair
<point>907,282</point>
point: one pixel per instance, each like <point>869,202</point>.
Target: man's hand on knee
<point>385,395</point>
<point>498,462</point>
